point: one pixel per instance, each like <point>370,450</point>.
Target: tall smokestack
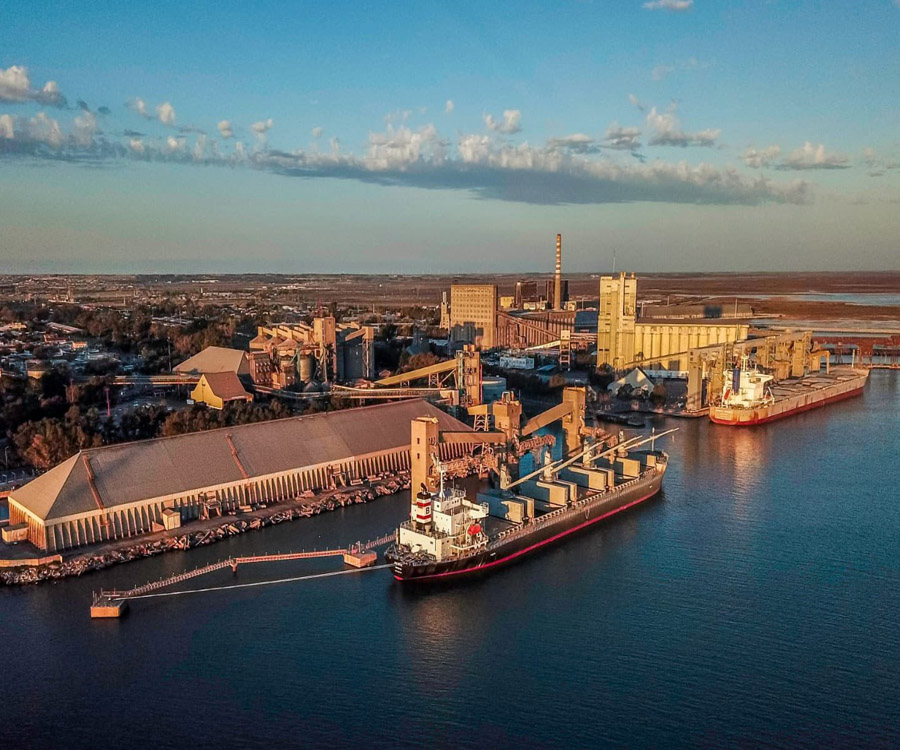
<point>557,283</point>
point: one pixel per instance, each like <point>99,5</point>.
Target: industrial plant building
<point>477,315</point>
<point>281,355</point>
<point>473,314</point>
<point>624,340</point>
<point>126,490</point>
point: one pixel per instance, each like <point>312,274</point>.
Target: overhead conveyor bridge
<point>423,372</point>
<point>461,374</point>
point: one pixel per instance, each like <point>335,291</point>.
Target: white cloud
<point>473,148</point>
<point>616,138</point>
<point>166,113</point>
<point>45,129</point>
<point>511,123</point>
<point>810,156</point>
<point>678,6</point>
<point>399,148</point>
<point>262,127</point>
<point>200,147</point>
<point>635,102</point>
<point>51,94</point>
<point>559,172</point>
<point>497,170</point>
<point>659,72</point>
<point>83,128</point>
<point>34,132</point>
<point>450,106</point>
<point>15,86</point>
<point>623,138</point>
<point>138,105</point>
<point>225,128</point>
<point>7,128</point>
<point>758,158</point>
<point>668,131</point>
<point>878,165</point>
<point>317,131</point>
<point>577,143</point>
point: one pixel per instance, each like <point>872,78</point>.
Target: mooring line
<point>260,583</point>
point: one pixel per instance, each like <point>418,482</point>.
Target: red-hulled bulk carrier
<point>750,397</point>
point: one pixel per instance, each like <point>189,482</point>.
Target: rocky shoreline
<point>232,525</point>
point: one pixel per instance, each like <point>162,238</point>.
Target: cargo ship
<point>450,534</point>
<point>751,397</point>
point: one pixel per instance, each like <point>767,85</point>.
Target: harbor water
<point>755,603</point>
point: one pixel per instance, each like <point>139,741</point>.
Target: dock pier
<point>114,604</point>
<point>104,608</point>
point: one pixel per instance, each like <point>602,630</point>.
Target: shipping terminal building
<point>136,488</point>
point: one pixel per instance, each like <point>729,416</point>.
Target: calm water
<point>755,604</point>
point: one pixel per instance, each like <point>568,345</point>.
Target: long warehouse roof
<point>132,472</point>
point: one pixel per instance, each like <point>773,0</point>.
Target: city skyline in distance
<point>681,136</point>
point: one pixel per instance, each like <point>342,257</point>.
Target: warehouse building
<point>215,389</point>
<point>126,490</point>
<point>215,359</point>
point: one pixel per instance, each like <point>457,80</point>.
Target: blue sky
<point>437,137</point>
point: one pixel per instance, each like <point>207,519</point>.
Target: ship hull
<point>788,406</point>
<point>586,513</point>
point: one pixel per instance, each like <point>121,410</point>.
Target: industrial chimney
<point>557,282</point>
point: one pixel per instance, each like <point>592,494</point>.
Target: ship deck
<point>791,387</point>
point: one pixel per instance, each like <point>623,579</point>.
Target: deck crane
<point>587,455</point>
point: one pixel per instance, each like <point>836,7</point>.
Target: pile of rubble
<point>307,505</point>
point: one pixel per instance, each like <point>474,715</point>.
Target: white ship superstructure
<point>444,525</point>
<point>746,388</point>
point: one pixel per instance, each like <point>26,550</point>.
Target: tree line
<point>47,421</point>
<point>156,345</point>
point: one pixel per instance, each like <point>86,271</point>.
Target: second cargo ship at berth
<point>750,397</point>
